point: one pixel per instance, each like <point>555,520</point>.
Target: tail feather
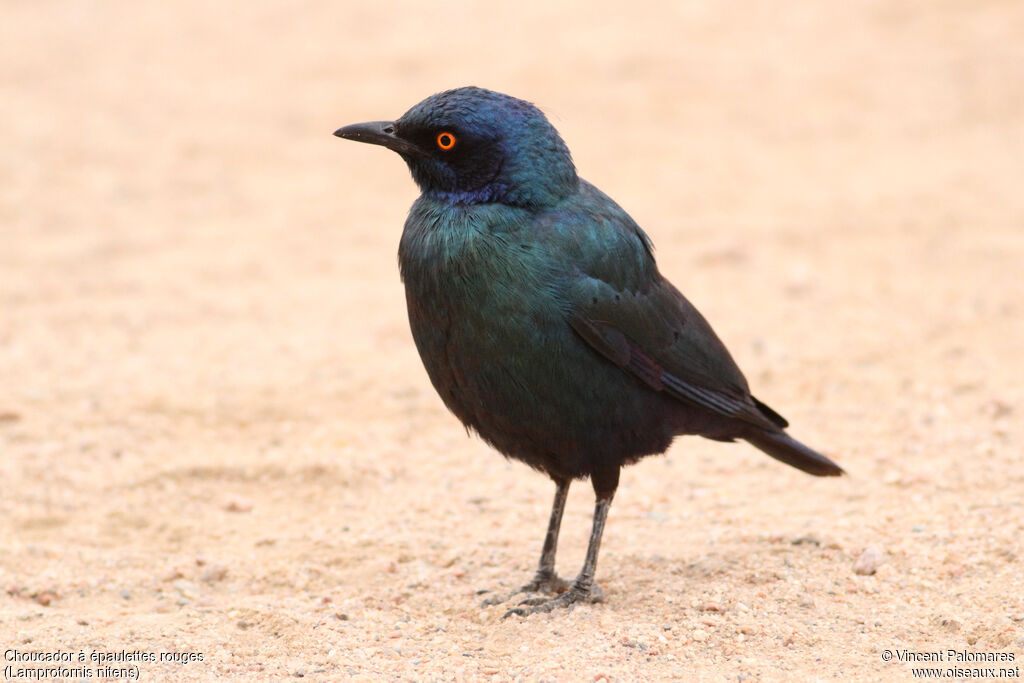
<point>784,448</point>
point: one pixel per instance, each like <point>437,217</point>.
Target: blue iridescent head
<point>472,146</point>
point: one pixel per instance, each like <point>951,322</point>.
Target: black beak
<point>378,133</point>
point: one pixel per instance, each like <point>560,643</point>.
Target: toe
<point>566,600</point>
<point>533,601</point>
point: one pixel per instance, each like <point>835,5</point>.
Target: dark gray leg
<point>585,580</point>
<point>583,588</point>
<point>545,580</point>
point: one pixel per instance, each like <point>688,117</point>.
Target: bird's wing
<point>620,305</point>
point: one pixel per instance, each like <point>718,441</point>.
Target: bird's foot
<point>576,593</point>
<point>543,582</point>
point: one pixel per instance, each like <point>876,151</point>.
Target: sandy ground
<point>217,437</point>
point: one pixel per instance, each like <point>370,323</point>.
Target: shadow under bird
<point>541,317</point>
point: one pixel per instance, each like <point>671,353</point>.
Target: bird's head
<point>471,145</point>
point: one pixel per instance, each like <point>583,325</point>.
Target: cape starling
<point>542,319</point>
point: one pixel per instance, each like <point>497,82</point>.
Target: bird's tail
<point>782,447</point>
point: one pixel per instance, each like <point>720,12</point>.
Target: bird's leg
<point>545,580</point>
<point>583,588</point>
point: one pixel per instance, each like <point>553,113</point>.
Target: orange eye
<point>445,140</point>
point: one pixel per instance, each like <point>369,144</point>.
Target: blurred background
<point>210,402</point>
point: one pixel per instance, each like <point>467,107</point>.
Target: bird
<point>543,322</point>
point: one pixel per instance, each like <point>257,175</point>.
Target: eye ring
<point>445,140</point>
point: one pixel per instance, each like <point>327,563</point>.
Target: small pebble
<point>185,588</point>
<point>805,540</point>
<point>45,598</point>
<point>238,505</point>
<point>215,573</point>
<point>174,575</point>
<point>868,562</point>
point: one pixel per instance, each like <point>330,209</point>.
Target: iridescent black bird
<point>542,319</point>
